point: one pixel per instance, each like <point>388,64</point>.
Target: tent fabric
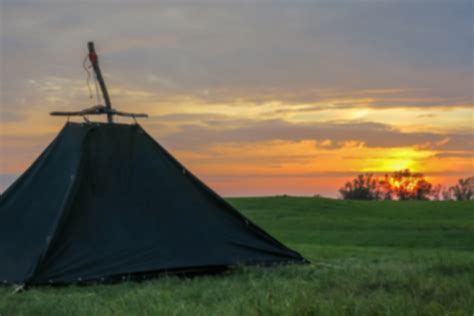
<point>105,200</point>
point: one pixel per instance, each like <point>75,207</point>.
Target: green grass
<point>368,258</point>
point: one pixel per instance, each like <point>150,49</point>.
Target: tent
<point>105,202</point>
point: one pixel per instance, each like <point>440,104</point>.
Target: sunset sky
<point>255,98</point>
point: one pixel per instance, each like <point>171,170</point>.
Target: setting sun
<point>410,184</point>
<point>398,164</point>
<point>392,159</point>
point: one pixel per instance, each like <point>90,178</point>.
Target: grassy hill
<point>368,258</point>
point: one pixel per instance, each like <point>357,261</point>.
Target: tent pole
<point>95,65</point>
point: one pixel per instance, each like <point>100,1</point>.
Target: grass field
<point>368,258</point>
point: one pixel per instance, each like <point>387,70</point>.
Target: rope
<point>88,76</point>
<point>86,68</point>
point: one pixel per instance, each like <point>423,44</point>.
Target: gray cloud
<point>244,47</point>
<point>192,136</point>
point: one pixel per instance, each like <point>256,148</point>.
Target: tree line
<point>404,185</point>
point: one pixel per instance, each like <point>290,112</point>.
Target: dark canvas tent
<point>104,201</point>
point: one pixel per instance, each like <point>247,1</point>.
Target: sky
<point>254,97</point>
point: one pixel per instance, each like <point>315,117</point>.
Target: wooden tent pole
<point>95,65</point>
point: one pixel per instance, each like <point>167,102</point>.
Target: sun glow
<point>398,164</point>
<point>399,159</point>
<point>409,184</point>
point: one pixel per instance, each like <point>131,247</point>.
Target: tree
<point>436,192</point>
<point>464,190</point>
<point>447,194</point>
<point>386,188</point>
<point>405,185</point>
<point>400,185</point>
<point>363,187</point>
